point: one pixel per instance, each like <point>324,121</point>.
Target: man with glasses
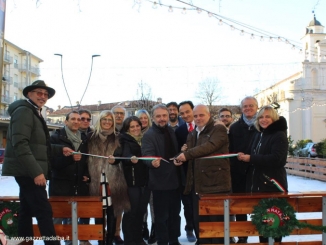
<point>70,175</point>
<point>27,159</point>
<point>225,116</point>
<point>119,114</point>
<point>240,136</point>
<point>85,121</point>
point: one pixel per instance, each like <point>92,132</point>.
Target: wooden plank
<point>246,228</point>
<point>245,206</point>
<point>84,209</point>
<point>85,232</point>
<point>9,198</point>
<point>75,198</point>
<point>306,174</point>
<point>223,196</point>
<point>309,204</point>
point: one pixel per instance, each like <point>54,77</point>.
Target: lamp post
<point>79,104</point>
<point>90,74</point>
<point>64,80</point>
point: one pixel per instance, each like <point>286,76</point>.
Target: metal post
<point>227,222</point>
<point>270,241</point>
<point>324,220</point>
<point>74,223</point>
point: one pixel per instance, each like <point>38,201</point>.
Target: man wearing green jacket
<point>27,155</point>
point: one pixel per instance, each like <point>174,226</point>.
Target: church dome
<point>314,22</point>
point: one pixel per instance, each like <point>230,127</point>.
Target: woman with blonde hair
<point>268,154</point>
<point>104,141</point>
<point>145,120</point>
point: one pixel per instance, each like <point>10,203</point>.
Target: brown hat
<point>38,84</point>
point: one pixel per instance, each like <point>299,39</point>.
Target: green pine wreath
<point>275,217</point>
<point>9,218</point>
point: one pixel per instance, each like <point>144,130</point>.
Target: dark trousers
<point>34,203</point>
<point>167,207</point>
<point>111,221</point>
<point>197,219</point>
<point>133,220</point>
<point>187,210</point>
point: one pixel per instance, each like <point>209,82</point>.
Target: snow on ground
<point>9,187</point>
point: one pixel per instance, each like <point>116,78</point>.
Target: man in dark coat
<point>164,176</point>
<point>240,135</point>
<point>85,121</point>
<point>27,156</point>
<point>186,112</point>
<point>206,176</point>
<point>69,174</point>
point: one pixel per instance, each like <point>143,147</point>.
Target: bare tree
<point>209,91</point>
<point>144,94</point>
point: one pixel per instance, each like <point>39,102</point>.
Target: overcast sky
<point>171,52</point>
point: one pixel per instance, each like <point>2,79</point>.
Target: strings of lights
<point>242,28</point>
<point>306,108</point>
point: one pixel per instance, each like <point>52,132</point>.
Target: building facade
<point>302,96</point>
<point>20,68</point>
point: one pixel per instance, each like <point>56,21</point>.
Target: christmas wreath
<point>9,218</point>
<point>275,217</point>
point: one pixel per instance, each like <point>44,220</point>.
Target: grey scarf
<point>251,121</point>
<point>75,138</point>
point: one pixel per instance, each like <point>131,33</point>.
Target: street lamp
<point>275,105</point>
<point>90,74</point>
<point>64,80</point>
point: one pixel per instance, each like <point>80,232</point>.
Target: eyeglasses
<point>85,119</point>
<point>40,94</point>
<point>118,113</point>
<point>106,120</point>
<point>225,116</point>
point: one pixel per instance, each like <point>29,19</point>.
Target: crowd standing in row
<point>178,135</point>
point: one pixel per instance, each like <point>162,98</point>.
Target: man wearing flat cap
<point>27,157</point>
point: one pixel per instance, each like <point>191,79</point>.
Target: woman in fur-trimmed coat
<point>104,141</point>
<point>268,155</point>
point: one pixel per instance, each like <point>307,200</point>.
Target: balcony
<point>35,70</point>
<point>22,68</point>
<point>7,59</point>
<point>7,80</point>
<point>5,99</point>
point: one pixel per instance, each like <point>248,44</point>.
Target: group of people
<point>175,138</point>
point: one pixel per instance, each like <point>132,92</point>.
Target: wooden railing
<point>314,168</point>
<point>223,204</point>
<point>74,208</point>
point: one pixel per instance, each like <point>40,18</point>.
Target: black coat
<point>63,172</point>
<point>135,174</point>
<point>240,137</point>
<point>268,156</point>
<point>167,176</point>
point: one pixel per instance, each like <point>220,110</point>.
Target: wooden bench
<point>223,204</point>
<point>73,207</point>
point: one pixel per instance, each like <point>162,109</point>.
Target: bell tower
<point>314,41</point>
